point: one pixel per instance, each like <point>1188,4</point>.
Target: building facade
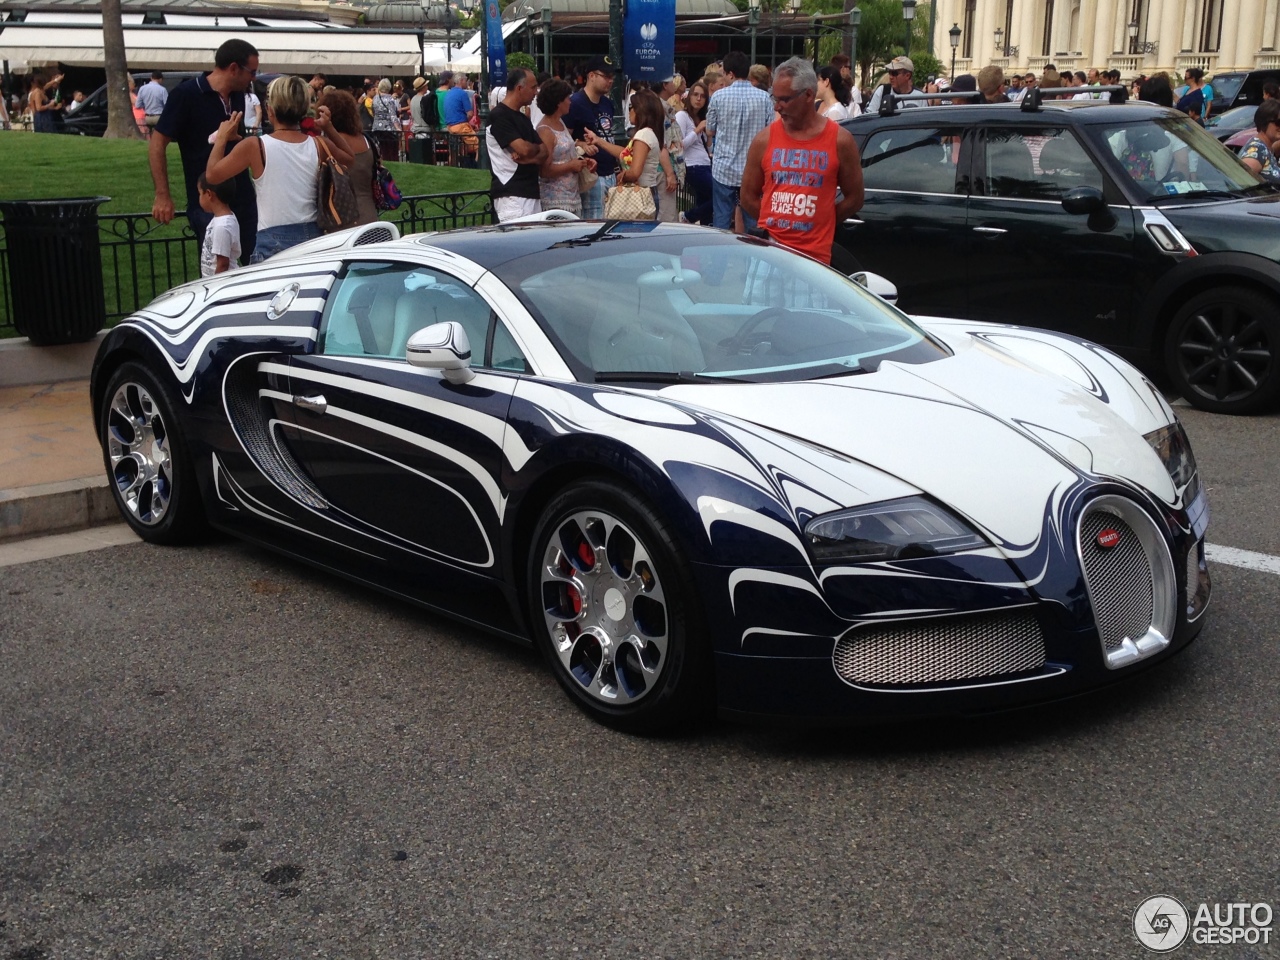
<point>1132,36</point>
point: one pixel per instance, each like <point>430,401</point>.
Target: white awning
<point>175,48</point>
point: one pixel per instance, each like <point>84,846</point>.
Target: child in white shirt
<point>221,249</point>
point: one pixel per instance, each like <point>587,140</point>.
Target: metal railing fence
<point>141,259</point>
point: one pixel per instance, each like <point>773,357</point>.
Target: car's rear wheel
<point>1221,351</point>
<point>147,459</point>
<point>614,611</point>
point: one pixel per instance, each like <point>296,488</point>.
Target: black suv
<point>1240,89</point>
<point>1127,225</point>
<point>90,118</point>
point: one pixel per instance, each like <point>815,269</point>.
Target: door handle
<point>993,231</point>
<point>317,404</point>
<point>853,222</point>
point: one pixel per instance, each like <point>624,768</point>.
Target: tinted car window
<point>912,160</point>
<point>1174,156</point>
<point>1036,164</point>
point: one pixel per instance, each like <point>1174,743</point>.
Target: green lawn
<point>49,166</point>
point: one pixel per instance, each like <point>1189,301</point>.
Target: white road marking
<point>65,544</point>
<point>1266,562</point>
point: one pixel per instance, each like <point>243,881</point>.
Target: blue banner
<point>649,40</point>
<point>497,46</point>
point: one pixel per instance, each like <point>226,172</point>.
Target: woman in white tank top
<point>284,164</point>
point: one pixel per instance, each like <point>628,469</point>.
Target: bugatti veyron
<point>696,470</point>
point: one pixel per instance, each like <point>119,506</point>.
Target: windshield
<point>1226,86</point>
<point>1173,156</point>
<point>691,305</point>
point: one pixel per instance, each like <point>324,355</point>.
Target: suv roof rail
<point>889,103</point>
<point>1031,100</point>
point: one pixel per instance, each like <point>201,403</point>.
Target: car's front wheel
<point>147,459</point>
<point>614,611</point>
<point>1221,351</point>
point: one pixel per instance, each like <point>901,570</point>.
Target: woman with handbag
<point>285,166</point>
<point>638,161</point>
<point>558,175</point>
<point>340,110</point>
<point>387,131</point>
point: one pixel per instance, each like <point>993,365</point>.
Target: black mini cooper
<point>1127,225</point>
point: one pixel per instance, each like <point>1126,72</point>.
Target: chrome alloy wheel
<point>138,454</point>
<point>604,607</point>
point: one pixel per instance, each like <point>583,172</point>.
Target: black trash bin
<point>55,268</point>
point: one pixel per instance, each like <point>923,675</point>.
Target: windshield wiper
<point>655,376</point>
<point>1199,195</point>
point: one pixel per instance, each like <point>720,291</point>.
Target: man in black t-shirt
<point>192,115</point>
<point>515,150</point>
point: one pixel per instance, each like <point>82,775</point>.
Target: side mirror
<point>444,347</point>
<point>1085,201</point>
<point>882,288</point>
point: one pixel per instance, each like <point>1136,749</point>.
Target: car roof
<point>1072,111</point>
<point>492,246</point>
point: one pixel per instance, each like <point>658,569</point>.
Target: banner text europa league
<point>649,40</point>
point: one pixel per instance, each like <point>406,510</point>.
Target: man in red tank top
<point>795,165</point>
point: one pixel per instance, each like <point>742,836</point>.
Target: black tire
<point>1222,348</point>
<point>634,654</point>
<point>147,459</point>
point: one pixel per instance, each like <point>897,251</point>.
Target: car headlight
<point>892,530</point>
<point>1174,450</point>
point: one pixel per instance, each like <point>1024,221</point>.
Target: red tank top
<point>800,181</point>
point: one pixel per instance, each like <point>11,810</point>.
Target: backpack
<point>430,109</point>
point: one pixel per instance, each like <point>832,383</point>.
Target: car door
<point>1028,260</point>
<point>913,215</point>
<point>409,464</point>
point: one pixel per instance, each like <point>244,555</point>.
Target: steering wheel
<point>738,342</point>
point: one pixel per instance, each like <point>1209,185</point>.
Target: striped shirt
<point>736,114</point>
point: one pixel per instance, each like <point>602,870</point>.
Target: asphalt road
<point>214,752</point>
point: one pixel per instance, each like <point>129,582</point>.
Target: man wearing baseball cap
<point>592,109</point>
<point>901,74</point>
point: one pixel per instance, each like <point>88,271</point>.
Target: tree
<point>881,37</point>
<point>120,122</point>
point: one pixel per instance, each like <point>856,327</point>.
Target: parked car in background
<point>694,469</point>
<point>1226,126</point>
<point>1240,88</point>
<point>90,118</point>
<point>1126,225</point>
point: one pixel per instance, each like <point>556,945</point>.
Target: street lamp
<point>908,14</point>
<point>855,18</point>
<point>954,35</point>
<point>753,20</point>
<point>1133,36</point>
<point>999,42</point>
<point>546,37</point>
<point>795,12</point>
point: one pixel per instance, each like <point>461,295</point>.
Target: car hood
<point>1242,226</point>
<point>990,434</point>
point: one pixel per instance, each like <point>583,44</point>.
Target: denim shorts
<point>272,240</point>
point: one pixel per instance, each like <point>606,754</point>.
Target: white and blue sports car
<point>696,470</point>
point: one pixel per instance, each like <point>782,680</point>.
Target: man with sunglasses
<point>796,165</point>
<point>901,73</point>
<point>194,112</point>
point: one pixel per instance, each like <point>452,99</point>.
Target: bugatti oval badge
<point>1108,538</point>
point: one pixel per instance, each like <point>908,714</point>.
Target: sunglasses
<point>894,73</point>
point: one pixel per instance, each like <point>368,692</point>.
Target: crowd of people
<point>753,150</point>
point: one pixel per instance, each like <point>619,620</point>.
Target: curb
<point>23,363</point>
<point>56,508</point>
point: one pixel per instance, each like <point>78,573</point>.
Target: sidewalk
<point>51,474</point>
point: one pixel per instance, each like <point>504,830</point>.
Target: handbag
<point>336,206</point>
<point>629,201</point>
<point>586,176</point>
<point>386,195</point>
